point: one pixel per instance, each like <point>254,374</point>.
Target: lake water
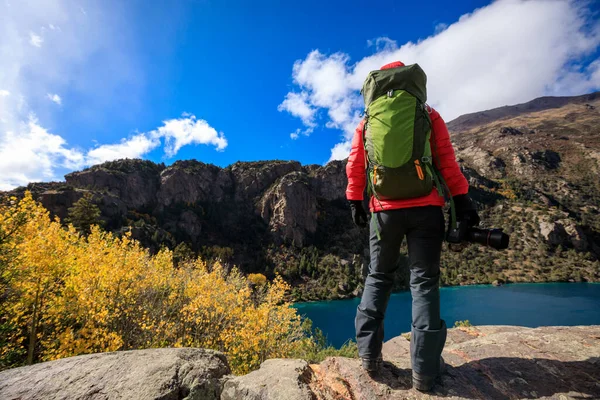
<point>532,305</point>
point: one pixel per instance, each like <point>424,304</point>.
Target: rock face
<point>166,374</point>
<point>190,181</point>
<point>330,181</point>
<point>290,208</point>
<point>136,183</point>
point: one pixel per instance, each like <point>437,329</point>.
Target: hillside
<point>533,170</point>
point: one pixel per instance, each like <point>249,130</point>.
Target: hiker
<point>405,159</point>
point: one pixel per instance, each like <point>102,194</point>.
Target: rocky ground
<point>487,362</point>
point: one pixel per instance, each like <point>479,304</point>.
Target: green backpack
<point>396,134</point>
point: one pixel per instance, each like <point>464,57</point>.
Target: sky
<point>88,81</point>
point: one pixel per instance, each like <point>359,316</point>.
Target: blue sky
<point>220,81</point>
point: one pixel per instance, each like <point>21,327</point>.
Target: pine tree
<point>183,253</point>
<point>84,214</point>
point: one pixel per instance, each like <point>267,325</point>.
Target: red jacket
<point>444,160</point>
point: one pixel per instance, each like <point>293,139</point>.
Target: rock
<point>577,236</point>
<point>553,233</point>
<point>253,178</point>
<point>475,179</point>
<point>59,201</point>
<point>483,362</point>
<point>139,374</point>
<point>190,181</point>
<point>548,158</point>
<point>484,162</point>
<point>136,182</point>
<point>329,182</point>
<point>488,362</point>
<point>564,232</point>
<point>277,379</point>
<point>509,130</point>
<point>190,224</point>
<point>290,208</point>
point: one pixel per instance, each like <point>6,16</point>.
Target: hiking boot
<point>371,365</point>
<point>424,383</point>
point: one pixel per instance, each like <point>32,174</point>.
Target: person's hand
<point>466,211</point>
<point>359,215</point>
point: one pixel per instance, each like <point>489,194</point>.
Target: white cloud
<point>509,52</point>
<point>188,130</point>
<point>383,44</point>
<point>298,132</point>
<point>134,147</point>
<point>35,40</point>
<point>55,98</point>
<point>49,46</point>
<point>297,105</point>
<point>340,151</point>
<point>32,154</point>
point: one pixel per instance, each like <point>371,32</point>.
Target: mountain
<point>540,104</point>
<point>533,170</point>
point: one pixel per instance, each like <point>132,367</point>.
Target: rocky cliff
<point>487,362</point>
<point>533,170</point>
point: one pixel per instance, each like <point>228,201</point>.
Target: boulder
<point>165,374</point>
<point>277,379</point>
<point>488,362</point>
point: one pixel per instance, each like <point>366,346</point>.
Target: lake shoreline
<point>455,287</point>
<point>517,304</point>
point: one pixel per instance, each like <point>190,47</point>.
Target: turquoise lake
<point>531,305</point>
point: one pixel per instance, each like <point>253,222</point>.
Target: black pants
<point>424,231</point>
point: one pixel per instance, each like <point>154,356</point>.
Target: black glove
<point>466,210</point>
<point>359,215</point>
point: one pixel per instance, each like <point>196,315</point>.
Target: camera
<point>494,238</point>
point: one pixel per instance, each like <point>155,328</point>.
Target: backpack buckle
<point>390,93</point>
<point>426,159</point>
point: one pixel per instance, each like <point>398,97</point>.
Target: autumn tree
<point>71,294</point>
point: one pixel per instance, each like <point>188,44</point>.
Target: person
<point>421,221</point>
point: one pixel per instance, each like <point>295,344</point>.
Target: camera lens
<point>489,237</point>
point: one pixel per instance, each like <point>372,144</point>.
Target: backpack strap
<point>370,186</point>
<point>439,180</point>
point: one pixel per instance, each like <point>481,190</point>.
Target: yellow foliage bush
<point>257,279</point>
<point>65,294</point>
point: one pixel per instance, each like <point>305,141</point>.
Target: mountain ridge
<point>467,121</point>
<point>534,174</point>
